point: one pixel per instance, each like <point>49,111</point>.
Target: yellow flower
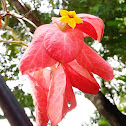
<point>70,18</point>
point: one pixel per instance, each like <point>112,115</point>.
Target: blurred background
<point>106,108</point>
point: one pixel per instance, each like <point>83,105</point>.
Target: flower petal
<point>78,20</point>
<point>92,25</point>
<point>63,12</point>
<point>72,13</point>
<point>42,77</point>
<point>91,61</point>
<point>63,46</point>
<point>36,57</point>
<point>72,23</point>
<point>65,19</point>
<point>60,95</point>
<point>81,78</point>
<point>39,80</point>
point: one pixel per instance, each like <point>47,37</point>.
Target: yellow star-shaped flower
<point>70,18</point>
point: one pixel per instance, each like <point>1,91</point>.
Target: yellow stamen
<point>70,18</point>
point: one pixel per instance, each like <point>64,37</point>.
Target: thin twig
<point>14,42</point>
<point>19,17</point>
<point>4,6</point>
<point>12,32</point>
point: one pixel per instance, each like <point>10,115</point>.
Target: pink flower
<point>61,47</point>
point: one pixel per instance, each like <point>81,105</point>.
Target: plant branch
<point>11,107</point>
<point>18,17</point>
<point>23,10</point>
<point>4,6</point>
<point>107,109</point>
<point>11,31</point>
<point>14,42</point>
<point>23,17</point>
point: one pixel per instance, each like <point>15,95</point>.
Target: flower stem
<point>14,42</point>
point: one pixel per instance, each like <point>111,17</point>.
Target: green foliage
<point>2,117</point>
<point>46,17</point>
<point>24,99</point>
<point>103,122</point>
<point>122,78</point>
<point>98,119</point>
<point>122,105</point>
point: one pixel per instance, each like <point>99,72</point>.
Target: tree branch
<point>14,42</point>
<point>11,108</point>
<point>107,109</point>
<point>23,10</point>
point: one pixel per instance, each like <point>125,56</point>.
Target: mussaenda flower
<point>70,18</point>
<point>61,47</point>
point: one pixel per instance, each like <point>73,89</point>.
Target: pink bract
<point>72,63</point>
<point>63,46</point>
